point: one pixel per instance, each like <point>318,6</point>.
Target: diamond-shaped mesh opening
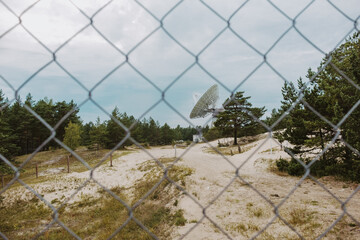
<point>85,205</point>
<point>290,53</point>
<point>22,48</point>
<point>113,93</point>
<point>252,23</point>
<point>203,23</point>
<point>52,83</point>
<point>92,50</point>
<point>121,183</point>
<point>134,24</point>
<point>311,207</point>
<point>158,51</point>
<point>53,22</point>
<point>245,212</point>
<point>322,24</point>
<point>233,65</point>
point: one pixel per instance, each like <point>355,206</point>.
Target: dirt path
<point>242,212</point>
<point>239,209</point>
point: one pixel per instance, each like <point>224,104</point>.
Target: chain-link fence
<point>228,23</point>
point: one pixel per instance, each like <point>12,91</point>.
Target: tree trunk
<point>235,135</point>
<point>322,145</point>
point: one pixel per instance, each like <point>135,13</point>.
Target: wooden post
<point>36,170</point>
<point>111,160</point>
<point>2,181</point>
<point>239,148</point>
<point>68,164</point>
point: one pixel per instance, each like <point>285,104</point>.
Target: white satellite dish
<point>206,104</point>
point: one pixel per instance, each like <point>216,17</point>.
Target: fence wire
<point>162,92</point>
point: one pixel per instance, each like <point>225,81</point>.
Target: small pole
<point>271,144</point>
<point>68,164</point>
<point>175,150</point>
<point>111,160</point>
<point>36,170</point>
<point>2,181</point>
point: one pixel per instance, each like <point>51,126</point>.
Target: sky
<point>162,65</point>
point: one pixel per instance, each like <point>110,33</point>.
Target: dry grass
<point>274,169</point>
<point>98,218</point>
<point>274,149</point>
<point>345,228</point>
<point>54,162</point>
<point>227,148</point>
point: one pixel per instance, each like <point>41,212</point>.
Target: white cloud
<point>89,57</point>
<point>53,22</point>
<point>125,23</point>
<point>195,30</point>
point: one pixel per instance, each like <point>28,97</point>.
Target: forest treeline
<point>328,113</point>
<point>21,132</point>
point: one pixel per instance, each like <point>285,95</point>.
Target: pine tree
<point>333,96</point>
<point>236,116</point>
<point>8,148</point>
<point>98,134</point>
<point>154,137</point>
<point>167,134</point>
<point>85,133</point>
<point>114,132</point>
<point>60,110</point>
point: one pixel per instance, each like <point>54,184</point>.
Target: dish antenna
<point>206,104</point>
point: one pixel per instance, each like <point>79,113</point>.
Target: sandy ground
<point>239,210</point>
<point>242,210</point>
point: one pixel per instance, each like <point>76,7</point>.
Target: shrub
<point>282,165</point>
<point>293,167</point>
<point>212,134</point>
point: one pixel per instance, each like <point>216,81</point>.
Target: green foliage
<point>180,220</point>
<point>212,134</point>
<point>72,136</point>
<point>98,134</point>
<point>7,147</point>
<point>282,165</point>
<point>147,132</point>
<point>236,117</point>
<point>167,134</point>
<point>21,132</point>
<point>333,96</point>
<point>293,167</point>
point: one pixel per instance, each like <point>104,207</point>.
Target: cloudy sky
<point>159,63</point>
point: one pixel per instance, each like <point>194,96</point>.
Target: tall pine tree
<point>236,117</point>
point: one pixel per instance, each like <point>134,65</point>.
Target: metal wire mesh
<point>162,92</point>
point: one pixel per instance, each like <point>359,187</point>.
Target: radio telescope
<point>206,104</point>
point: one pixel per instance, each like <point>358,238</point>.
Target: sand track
<point>239,209</point>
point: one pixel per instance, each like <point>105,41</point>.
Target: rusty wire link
<point>162,94</point>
